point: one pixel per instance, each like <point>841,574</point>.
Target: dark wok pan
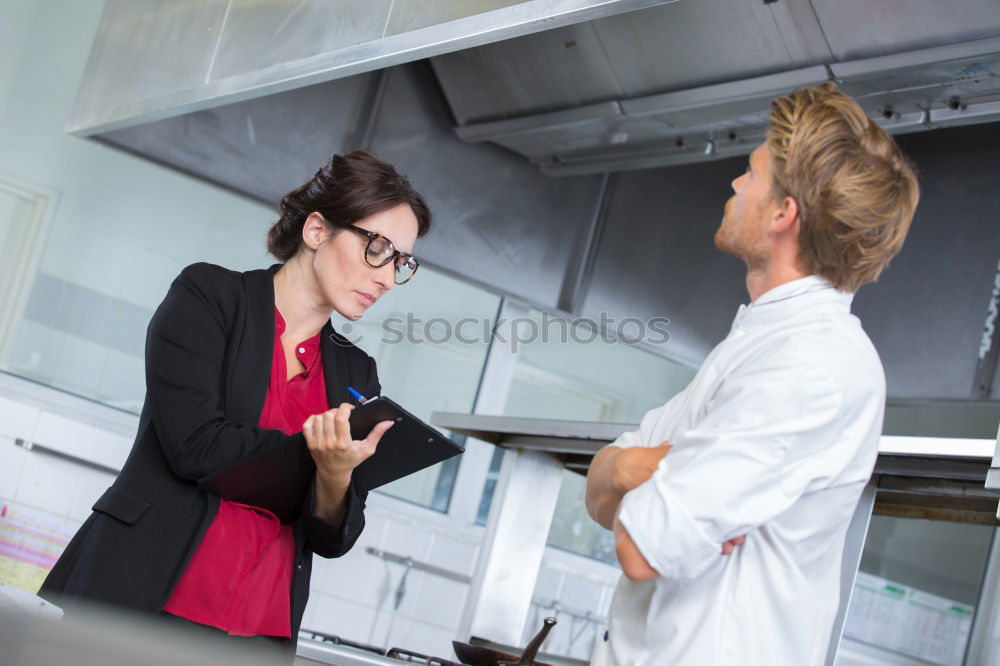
<point>477,655</point>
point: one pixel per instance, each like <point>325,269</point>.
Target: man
<point>767,451</point>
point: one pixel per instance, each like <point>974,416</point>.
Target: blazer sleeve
<point>185,350</point>
<point>335,539</point>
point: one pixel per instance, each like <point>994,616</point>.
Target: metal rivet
<point>399,419</point>
<point>430,439</point>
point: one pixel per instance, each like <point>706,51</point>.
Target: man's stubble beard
<point>724,240</point>
<point>733,237</point>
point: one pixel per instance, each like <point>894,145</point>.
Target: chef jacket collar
<point>773,304</point>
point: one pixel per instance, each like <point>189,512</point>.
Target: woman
<point>237,363</point>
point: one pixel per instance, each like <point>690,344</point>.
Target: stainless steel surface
<point>263,147</point>
<point>558,436</point>
<point>905,92</point>
<point>176,41</point>
<point>520,244</point>
<point>863,28</point>
<point>409,562</point>
<point>504,580</point>
<point>582,436</point>
<point>854,546</point>
<point>499,223</point>
<point>565,141</point>
<point>312,651</point>
<point>656,257</point>
<point>937,498</point>
<point>672,47</point>
<point>576,281</point>
<point>926,354</point>
<point>224,52</point>
<point>993,475</point>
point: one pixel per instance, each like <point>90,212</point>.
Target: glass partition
<point>567,370</point>
<point>917,593</point>
<point>428,339</point>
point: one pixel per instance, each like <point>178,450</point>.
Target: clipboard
<point>409,446</point>
<point>279,478</point>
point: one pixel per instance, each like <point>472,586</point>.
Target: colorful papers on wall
<point>30,543</point>
<point>908,620</point>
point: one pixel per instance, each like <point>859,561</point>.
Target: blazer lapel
<point>252,367</point>
<point>334,366</point>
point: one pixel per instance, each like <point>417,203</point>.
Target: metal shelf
<point>927,477</point>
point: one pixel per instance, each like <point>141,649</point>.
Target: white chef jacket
<point>775,438</point>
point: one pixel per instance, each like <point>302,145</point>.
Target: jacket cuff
<point>666,533</point>
<point>328,539</point>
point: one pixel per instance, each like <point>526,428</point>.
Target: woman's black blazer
<point>209,348</point>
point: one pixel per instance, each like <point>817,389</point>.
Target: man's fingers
<point>729,546</point>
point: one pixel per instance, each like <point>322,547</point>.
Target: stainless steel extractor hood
<point>616,99</point>
<point>155,60</point>
<point>692,81</point>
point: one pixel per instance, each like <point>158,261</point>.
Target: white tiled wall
<point>576,591</point>
<point>46,483</point>
<point>355,596</point>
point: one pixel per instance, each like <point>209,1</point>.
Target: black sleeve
<point>329,539</point>
<point>185,349</point>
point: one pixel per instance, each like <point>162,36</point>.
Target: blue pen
<point>357,395</point>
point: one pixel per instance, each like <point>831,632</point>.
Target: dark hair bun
<point>347,189</point>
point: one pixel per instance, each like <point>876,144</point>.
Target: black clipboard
<point>409,446</point>
<point>279,478</point>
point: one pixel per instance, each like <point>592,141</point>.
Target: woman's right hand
<point>335,452</point>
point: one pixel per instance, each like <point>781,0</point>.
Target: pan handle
<point>528,656</point>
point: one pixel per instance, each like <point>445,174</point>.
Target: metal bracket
<point>35,447</point>
<point>410,563</point>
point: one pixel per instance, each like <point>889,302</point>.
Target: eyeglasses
<point>381,251</point>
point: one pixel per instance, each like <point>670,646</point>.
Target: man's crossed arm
<point>614,472</point>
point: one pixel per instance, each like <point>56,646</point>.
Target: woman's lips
<point>364,298</point>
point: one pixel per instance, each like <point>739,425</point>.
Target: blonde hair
<point>855,191</point>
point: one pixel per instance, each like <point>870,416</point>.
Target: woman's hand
<point>336,454</point>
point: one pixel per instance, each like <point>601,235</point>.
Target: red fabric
<point>240,577</point>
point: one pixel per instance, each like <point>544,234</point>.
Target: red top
<point>239,579</point>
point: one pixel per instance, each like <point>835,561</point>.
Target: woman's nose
<point>385,276</point>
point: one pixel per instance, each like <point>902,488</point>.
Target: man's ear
<point>786,217</point>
